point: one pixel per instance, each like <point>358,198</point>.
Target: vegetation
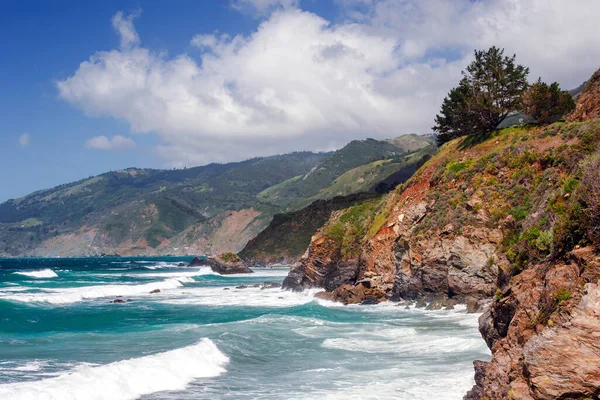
<point>230,257</point>
<point>157,208</point>
<point>490,89</point>
<point>298,193</point>
<point>288,235</point>
<point>546,103</point>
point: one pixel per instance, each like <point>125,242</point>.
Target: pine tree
<point>490,89</point>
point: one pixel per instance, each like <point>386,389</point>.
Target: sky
<point>89,87</point>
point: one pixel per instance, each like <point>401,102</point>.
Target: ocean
<point>207,336</point>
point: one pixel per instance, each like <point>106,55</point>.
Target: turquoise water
<point>200,337</point>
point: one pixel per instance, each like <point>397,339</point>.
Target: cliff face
<point>514,217</point>
<point>587,104</point>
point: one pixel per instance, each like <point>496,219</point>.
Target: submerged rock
<point>270,285</point>
<point>117,301</point>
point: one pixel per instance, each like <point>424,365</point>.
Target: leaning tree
<point>489,90</point>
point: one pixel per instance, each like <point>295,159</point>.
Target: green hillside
<point>207,209</point>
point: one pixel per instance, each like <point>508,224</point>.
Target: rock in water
<point>226,264</point>
<point>155,291</point>
<point>196,262</point>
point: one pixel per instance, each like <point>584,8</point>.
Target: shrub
<point>230,257</point>
<point>562,294</point>
<point>546,103</point>
<point>544,241</point>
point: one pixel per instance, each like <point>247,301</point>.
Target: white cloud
<point>263,7</point>
<point>24,140</point>
<point>124,26</point>
<point>117,142</point>
<point>300,81</point>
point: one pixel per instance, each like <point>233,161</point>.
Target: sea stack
<point>224,264</point>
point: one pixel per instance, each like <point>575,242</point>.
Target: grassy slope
<point>527,179</point>
<point>355,154</point>
<point>288,235</point>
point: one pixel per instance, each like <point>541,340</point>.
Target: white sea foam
<point>180,274</point>
<point>43,273</point>
<point>248,297</point>
<point>128,379</point>
<point>72,295</point>
<point>423,345</point>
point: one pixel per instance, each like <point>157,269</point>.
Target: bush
<point>562,294</point>
<point>546,103</point>
<point>230,257</point>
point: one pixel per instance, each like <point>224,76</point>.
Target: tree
<point>546,103</point>
<point>453,120</point>
<point>490,89</point>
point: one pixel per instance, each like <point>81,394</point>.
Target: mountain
<point>511,221</point>
<point>378,159</point>
<point>202,210</point>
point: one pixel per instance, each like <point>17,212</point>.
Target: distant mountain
<point>201,210</point>
<point>353,168</point>
<point>575,93</point>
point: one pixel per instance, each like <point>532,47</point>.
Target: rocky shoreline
<point>508,222</point>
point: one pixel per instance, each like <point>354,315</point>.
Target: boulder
<point>226,264</point>
<point>196,262</point>
<point>155,291</point>
<point>270,285</point>
<point>472,305</point>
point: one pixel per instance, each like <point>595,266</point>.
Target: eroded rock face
<point>588,104</point>
<point>544,333</point>
<point>321,267</point>
<point>397,263</point>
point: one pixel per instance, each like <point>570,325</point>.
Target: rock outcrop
<point>224,264</point>
<point>588,103</point>
<point>543,332</point>
<point>395,262</point>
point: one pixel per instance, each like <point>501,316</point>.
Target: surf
<point>127,379</point>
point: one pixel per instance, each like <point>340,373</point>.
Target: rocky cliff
<point>513,218</point>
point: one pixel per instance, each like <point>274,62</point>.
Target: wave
<point>43,273</point>
<point>247,297</point>
<point>73,295</point>
<point>127,379</point>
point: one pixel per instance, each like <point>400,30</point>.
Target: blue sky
<point>204,81</point>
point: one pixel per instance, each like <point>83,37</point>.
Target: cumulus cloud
<point>301,82</point>
<point>24,140</point>
<point>117,142</point>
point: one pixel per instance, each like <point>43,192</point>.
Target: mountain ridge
<point>201,210</point>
